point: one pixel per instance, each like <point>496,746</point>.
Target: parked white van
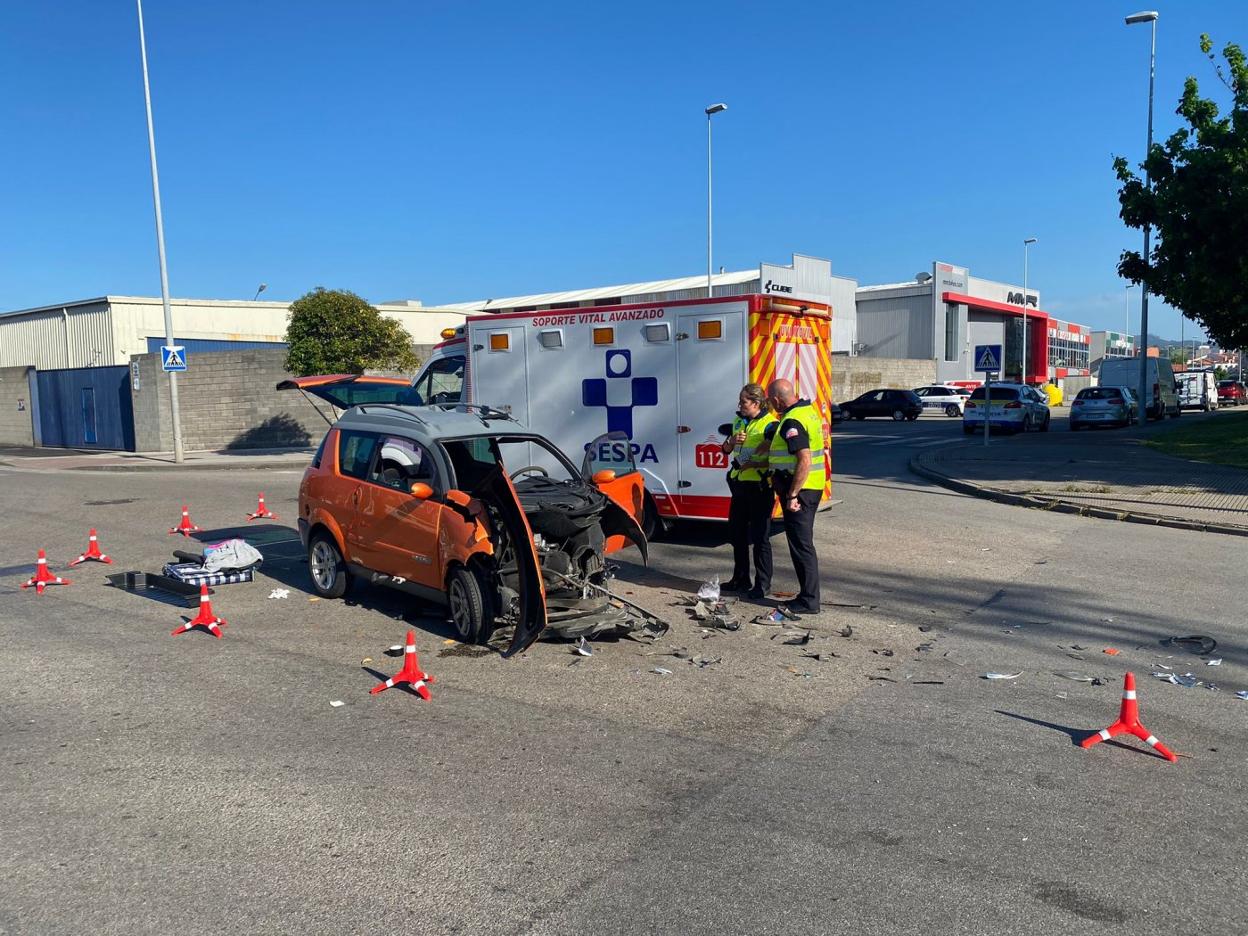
<point>1197,390</point>
<point>1160,399</point>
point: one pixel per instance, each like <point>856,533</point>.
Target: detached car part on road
<point>462,507</point>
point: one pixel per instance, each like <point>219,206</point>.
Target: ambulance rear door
<point>500,372</point>
<point>710,370</point>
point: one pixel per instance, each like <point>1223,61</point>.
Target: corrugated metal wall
<point>896,327</point>
<point>49,339</point>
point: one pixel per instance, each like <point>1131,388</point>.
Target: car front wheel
<point>899,415</point>
<point>470,611</point>
<point>329,571</point>
<point>952,410</point>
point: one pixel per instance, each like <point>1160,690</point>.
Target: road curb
<point>1058,505</point>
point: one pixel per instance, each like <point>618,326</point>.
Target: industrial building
<point>109,329</point>
<point>1108,344</point>
<point>944,314</point>
<point>805,278</point>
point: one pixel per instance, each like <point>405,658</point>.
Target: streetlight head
<point>1145,16</point>
<point>263,287</point>
<point>1029,240</point>
<point>715,109</point>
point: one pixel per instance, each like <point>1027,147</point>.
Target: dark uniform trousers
<point>749,525</point>
<point>799,530</point>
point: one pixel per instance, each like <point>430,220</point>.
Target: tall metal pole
<point>1148,231</point>
<point>1027,242</point>
<point>709,292</point>
<point>160,242</point>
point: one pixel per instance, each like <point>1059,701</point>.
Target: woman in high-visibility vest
<point>749,515</point>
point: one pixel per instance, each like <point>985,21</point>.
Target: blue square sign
<point>988,358</point>
<point>173,357</point>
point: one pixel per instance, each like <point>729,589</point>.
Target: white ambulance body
<point>661,378</point>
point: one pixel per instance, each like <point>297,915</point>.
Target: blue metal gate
<point>86,407</point>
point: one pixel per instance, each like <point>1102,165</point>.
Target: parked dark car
<point>894,404</point>
<point>1231,393</point>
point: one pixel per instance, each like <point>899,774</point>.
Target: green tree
<point>332,331</point>
<point>1198,207</point>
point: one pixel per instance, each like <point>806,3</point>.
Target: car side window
<point>355,452</point>
<point>401,463</point>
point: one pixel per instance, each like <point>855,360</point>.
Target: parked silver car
<point>1103,406</point>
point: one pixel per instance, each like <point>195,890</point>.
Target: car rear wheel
<point>952,410</point>
<point>1027,423</point>
<point>470,611</point>
<point>1044,426</point>
<point>329,571</point>
<point>899,415</point>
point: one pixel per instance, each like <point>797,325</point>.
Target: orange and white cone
<point>1129,723</point>
<point>262,512</point>
<point>411,673</point>
<point>206,618</point>
<point>185,527</point>
<point>42,576</point>
<point>93,551</point>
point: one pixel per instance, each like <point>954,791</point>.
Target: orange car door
<point>399,530</point>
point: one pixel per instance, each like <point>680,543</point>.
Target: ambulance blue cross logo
<point>620,392</point>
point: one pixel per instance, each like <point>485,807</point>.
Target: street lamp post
<point>710,112</point>
<point>160,243</point>
<point>1027,242</point>
<point>1148,16</point>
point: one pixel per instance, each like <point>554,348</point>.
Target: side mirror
<point>725,429</point>
<point>458,497</point>
<point>421,491</point>
<point>602,477</point>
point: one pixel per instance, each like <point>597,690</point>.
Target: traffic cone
<point>93,551</point>
<point>262,512</point>
<point>411,673</point>
<point>185,527</point>
<point>206,618</point>
<point>1129,723</point>
<point>42,576</point>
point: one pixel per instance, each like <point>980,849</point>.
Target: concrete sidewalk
<point>44,459</point>
<point>1095,474</point>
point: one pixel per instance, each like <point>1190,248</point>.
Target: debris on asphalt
<point>1077,647</point>
<point>881,679</point>
<point>583,648</point>
<point>398,648</point>
<point>1002,675</point>
<point>280,593</point>
<point>1187,680</point>
<point>1216,661</point>
<point>1197,644</point>
<point>882,651</point>
<point>1242,695</point>
<point>1111,651</point>
<point>1076,656</point>
<point>702,662</point>
<point>821,655</point>
<point>661,671</point>
<point>847,631</point>
<point>925,647</point>
<point>710,590</point>
<point>928,682</point>
<point>1075,676</point>
<point>1063,695</point>
<point>337,703</point>
<point>366,660</point>
<point>314,598</point>
<point>1107,620</point>
<point>797,640</point>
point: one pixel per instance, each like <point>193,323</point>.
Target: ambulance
<point>659,379</point>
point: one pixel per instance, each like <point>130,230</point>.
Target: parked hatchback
<point>1231,393</point>
<point>1015,408</point>
<point>1103,406</point>
<point>895,404</point>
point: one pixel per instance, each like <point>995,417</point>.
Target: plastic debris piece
<point>337,703</point>
<point>1002,675</point>
<point>821,655</point>
<point>847,631</point>
<point>1242,695</point>
<point>1162,666</point>
<point>1111,651</point>
<point>883,651</point>
<point>701,611</point>
<point>928,682</point>
<point>367,660</point>
<point>798,640</point>
<point>661,671</point>
<point>1063,695</point>
<point>314,598</point>
<point>1075,676</point>
<point>1195,643</point>
<point>881,679</point>
<point>710,590</point>
<point>280,593</point>
<point>702,662</point>
<point>1077,647</point>
<point>1216,661</point>
<point>1188,681</point>
<point>583,648</point>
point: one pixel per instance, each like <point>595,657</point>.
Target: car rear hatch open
<point>344,391</point>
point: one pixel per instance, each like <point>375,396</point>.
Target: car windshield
<point>998,393</point>
<point>1100,393</point>
<point>473,459</point>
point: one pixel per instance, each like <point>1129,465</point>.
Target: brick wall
<point>226,400</point>
<point>16,407</point>
<point>853,376</point>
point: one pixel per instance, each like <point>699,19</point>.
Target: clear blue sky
<point>452,151</point>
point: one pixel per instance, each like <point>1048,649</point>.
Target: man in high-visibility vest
<point>798,474</point>
<point>749,515</point>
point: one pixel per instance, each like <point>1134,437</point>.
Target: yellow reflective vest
<point>755,441</point>
<point>780,459</point>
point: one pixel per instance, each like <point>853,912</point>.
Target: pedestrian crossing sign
<point>173,357</point>
<point>988,358</point>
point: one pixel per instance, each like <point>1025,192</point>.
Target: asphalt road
<point>154,783</point>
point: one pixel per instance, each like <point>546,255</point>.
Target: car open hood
<point>347,390</point>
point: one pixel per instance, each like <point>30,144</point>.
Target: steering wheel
<point>530,469</point>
